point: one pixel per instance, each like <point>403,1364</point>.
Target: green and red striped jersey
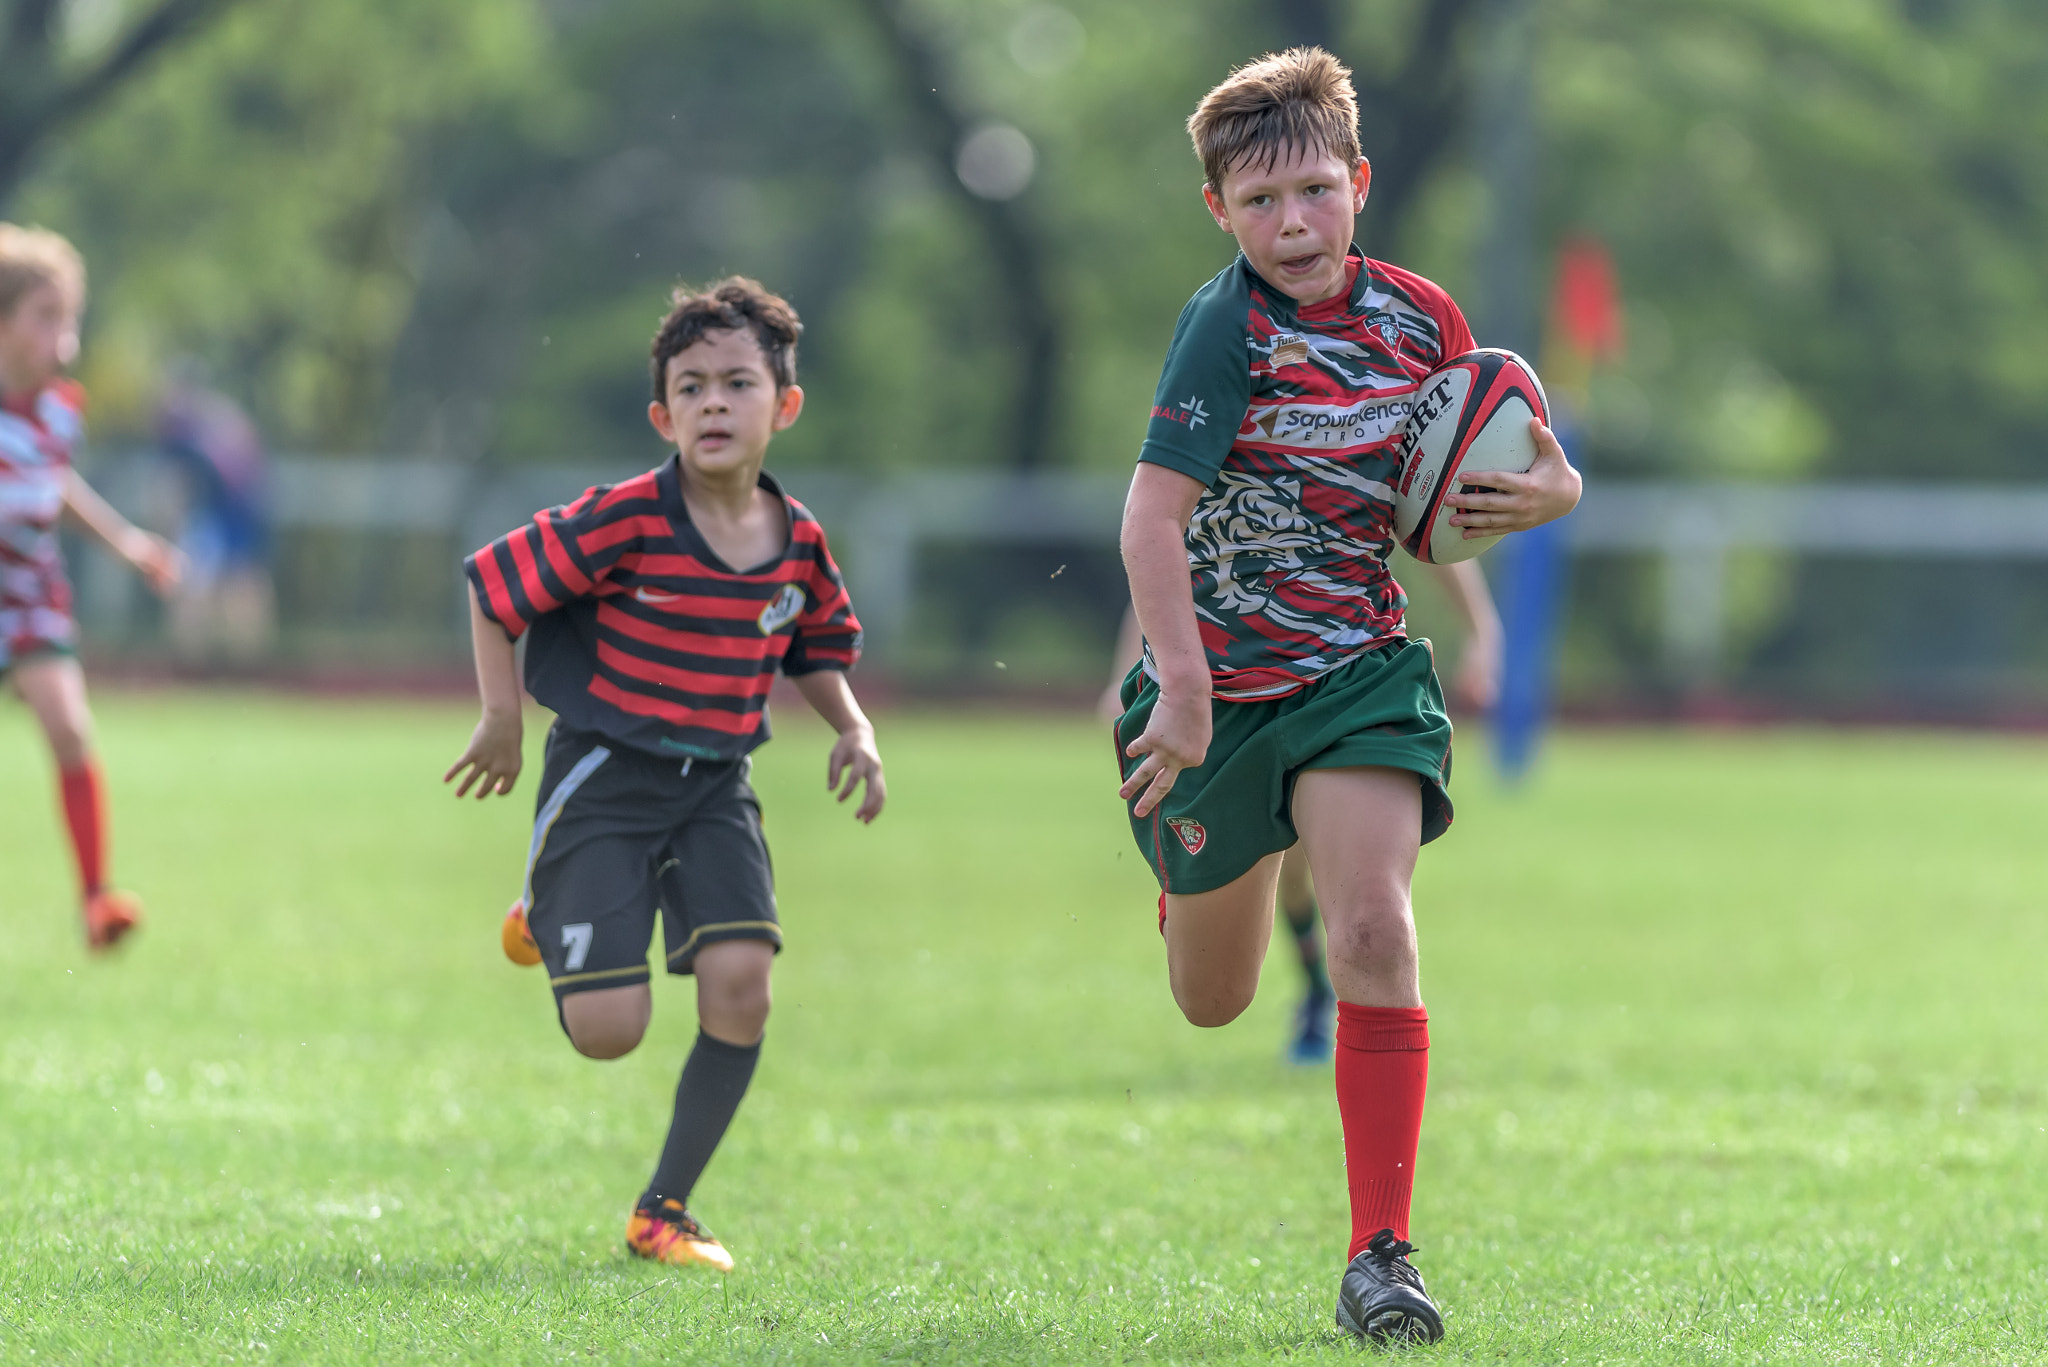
<point>636,629</point>
<point>1287,414</point>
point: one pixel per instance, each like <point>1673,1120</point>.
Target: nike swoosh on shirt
<point>646,595</point>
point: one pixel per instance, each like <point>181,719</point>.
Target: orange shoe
<point>663,1231</point>
<point>517,939</point>
<point>109,915</point>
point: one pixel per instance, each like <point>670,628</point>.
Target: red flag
<point>1585,306</point>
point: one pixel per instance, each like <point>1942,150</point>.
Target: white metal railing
<point>877,525</point>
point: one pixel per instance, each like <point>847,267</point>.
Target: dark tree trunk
<point>1017,251</point>
<point>38,96</point>
<point>1408,120</point>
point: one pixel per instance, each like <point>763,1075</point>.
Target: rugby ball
<point>1471,413</point>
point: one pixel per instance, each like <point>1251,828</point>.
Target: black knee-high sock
<point>714,1080</point>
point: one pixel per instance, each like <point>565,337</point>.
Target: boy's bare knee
<point>70,747</point>
<point>1372,955</point>
<point>1380,931</point>
<point>1210,1005</point>
<point>1211,1013</point>
<point>604,1042</point>
<point>55,691</point>
<point>733,995</point>
<point>609,1022</point>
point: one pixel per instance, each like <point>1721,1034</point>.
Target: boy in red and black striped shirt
<point>657,613</point>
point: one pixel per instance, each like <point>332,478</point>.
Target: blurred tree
<point>1017,250</point>
<point>449,225</point>
<point>257,204</point>
<point>52,73</point>
<point>548,247</point>
<point>1828,218</point>
<point>1412,107</point>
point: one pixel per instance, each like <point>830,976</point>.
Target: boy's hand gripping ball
<point>1471,413</point>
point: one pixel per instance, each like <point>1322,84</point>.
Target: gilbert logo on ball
<point>1471,414</point>
<point>1190,832</point>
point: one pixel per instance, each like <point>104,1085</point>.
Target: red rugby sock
<point>85,811</point>
<point>1382,1074</point>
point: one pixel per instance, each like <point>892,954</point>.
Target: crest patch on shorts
<point>1190,832</point>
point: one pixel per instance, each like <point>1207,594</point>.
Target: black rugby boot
<point>1382,1298</point>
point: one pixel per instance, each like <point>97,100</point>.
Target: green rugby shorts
<point>1381,707</point>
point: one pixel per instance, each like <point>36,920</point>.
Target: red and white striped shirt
<point>636,629</point>
<point>37,440</point>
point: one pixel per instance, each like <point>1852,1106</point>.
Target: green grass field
<point>1738,1057</point>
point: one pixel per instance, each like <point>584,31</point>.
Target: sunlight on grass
<point>1736,1057</point>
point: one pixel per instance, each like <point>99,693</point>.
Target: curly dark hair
<point>733,303</point>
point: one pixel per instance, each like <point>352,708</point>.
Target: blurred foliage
<point>255,200</point>
<point>1829,217</point>
<point>449,225</point>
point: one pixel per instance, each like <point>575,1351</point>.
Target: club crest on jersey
<point>1289,349</point>
<point>1388,330</point>
<point>1190,832</point>
<point>780,613</point>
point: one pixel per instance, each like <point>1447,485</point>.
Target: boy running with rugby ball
<point>657,613</point>
<point>1279,698</point>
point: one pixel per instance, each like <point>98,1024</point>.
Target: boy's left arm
<point>1477,682</point>
<point>158,562</point>
<point>854,754</point>
<point>1544,493</point>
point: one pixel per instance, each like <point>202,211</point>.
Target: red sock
<point>85,810</point>
<point>1382,1074</point>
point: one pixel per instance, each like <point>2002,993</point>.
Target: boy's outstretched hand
<point>493,756</point>
<point>1476,685</point>
<point>855,759</point>
<point>160,564</point>
<point>1544,493</point>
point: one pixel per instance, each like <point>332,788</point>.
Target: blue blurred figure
<point>226,612</point>
<point>1585,331</point>
<point>1532,600</point>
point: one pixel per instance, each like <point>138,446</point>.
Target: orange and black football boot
<point>109,915</point>
<point>517,939</point>
<point>663,1231</point>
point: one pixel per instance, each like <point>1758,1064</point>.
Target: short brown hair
<point>734,303</point>
<point>1297,99</point>
<point>31,258</point>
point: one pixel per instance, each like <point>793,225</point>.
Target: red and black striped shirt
<point>638,631</point>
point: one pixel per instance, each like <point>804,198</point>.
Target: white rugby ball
<point>1471,413</point>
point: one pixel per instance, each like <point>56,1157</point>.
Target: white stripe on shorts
<point>551,809</point>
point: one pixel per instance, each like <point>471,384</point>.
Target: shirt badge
<point>780,613</point>
<point>1289,349</point>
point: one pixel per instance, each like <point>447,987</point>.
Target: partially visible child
<point>657,613</point>
<point>1475,686</point>
<point>226,610</point>
<point>42,422</point>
